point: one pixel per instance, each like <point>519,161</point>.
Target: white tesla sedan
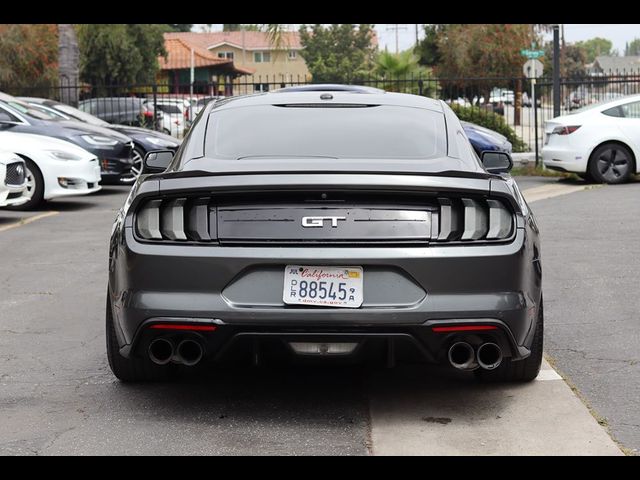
<point>600,142</point>
<point>54,168</point>
<point>13,181</point>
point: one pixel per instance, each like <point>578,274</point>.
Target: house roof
<point>612,64</point>
<point>179,57</point>
<point>252,40</point>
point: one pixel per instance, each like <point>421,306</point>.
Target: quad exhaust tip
<point>489,356</point>
<point>462,356</point>
<point>161,351</point>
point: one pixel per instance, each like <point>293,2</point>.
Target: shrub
<point>492,121</point>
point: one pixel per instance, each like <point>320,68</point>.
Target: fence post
<point>420,87</point>
<point>535,116</point>
<point>155,106</point>
<point>556,71</point>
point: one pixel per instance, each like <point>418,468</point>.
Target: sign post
<point>533,69</point>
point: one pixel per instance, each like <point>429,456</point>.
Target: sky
<point>619,34</point>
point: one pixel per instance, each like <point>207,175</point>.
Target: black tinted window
<point>346,132</point>
<point>614,112</point>
<point>168,108</point>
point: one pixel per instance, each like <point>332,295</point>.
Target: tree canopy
<point>339,52</point>
<point>181,27</point>
<point>595,47</point>
<point>633,47</point>
<point>120,53</point>
<point>28,55</point>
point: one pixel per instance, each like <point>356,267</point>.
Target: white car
<point>173,120</point>
<point>54,168</point>
<point>600,142</point>
<point>13,180</point>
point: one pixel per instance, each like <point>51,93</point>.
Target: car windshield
<point>31,111</point>
<point>594,106</point>
<point>80,115</point>
<point>354,131</point>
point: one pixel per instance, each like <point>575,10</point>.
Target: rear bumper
<point>407,291</point>
<point>566,159</point>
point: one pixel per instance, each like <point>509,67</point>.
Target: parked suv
<point>121,110</point>
<point>325,222</point>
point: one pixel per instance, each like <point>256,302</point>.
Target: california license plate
<point>324,286</point>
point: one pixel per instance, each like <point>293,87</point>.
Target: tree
<point>338,53</point>
<point>427,49</point>
<point>595,47</point>
<point>572,60</point>
<point>28,56</point>
<point>68,63</point>
<point>633,48</point>
<point>236,27</point>
<point>403,66</point>
<point>120,53</point>
<point>180,27</point>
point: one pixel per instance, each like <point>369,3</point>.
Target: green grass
<point>531,170</point>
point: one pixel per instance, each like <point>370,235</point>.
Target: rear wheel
<point>521,370</point>
<point>129,369</point>
<point>611,163</point>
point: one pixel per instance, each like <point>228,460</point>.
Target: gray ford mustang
<point>325,222</point>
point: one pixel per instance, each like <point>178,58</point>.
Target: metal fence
<point>172,107</point>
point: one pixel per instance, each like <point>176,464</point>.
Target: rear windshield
<point>167,108</point>
<point>379,131</point>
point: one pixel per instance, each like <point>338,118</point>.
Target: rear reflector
<point>464,328</point>
<point>193,328</point>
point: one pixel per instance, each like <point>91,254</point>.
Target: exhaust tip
<point>462,356</point>
<point>489,356</point>
<point>161,351</point>
<point>190,352</point>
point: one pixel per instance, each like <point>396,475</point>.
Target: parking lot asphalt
<point>58,395</point>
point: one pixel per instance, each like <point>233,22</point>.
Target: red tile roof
<point>252,40</point>
<point>179,56</point>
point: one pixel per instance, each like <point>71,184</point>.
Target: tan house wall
<point>280,69</point>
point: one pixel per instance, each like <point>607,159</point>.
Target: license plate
<point>324,286</point>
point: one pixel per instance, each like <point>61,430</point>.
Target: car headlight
<point>161,142</point>
<point>99,141</point>
<point>60,155</point>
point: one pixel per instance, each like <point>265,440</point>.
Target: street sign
<point>533,68</point>
<point>532,53</point>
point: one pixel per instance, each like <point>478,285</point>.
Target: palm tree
<point>68,63</point>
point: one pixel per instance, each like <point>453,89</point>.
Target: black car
<point>134,111</point>
<point>338,224</point>
<point>144,139</point>
<point>114,150</point>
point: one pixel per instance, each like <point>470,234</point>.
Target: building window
<point>261,57</point>
<point>227,55</point>
<point>293,54</point>
<point>260,87</point>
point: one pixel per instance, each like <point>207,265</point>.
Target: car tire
<point>130,369</point>
<point>521,370</point>
<point>611,163</point>
<point>35,186</point>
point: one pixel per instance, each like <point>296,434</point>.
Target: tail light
<point>467,219</point>
<point>178,219</point>
<point>562,130</point>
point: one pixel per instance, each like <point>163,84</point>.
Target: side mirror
<point>157,161</point>
<point>497,162</point>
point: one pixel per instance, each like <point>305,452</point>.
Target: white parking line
<point>26,221</point>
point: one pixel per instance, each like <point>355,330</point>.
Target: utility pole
<point>556,70</point>
<point>396,27</point>
<point>416,34</point>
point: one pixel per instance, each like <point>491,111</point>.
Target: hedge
<point>492,121</point>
